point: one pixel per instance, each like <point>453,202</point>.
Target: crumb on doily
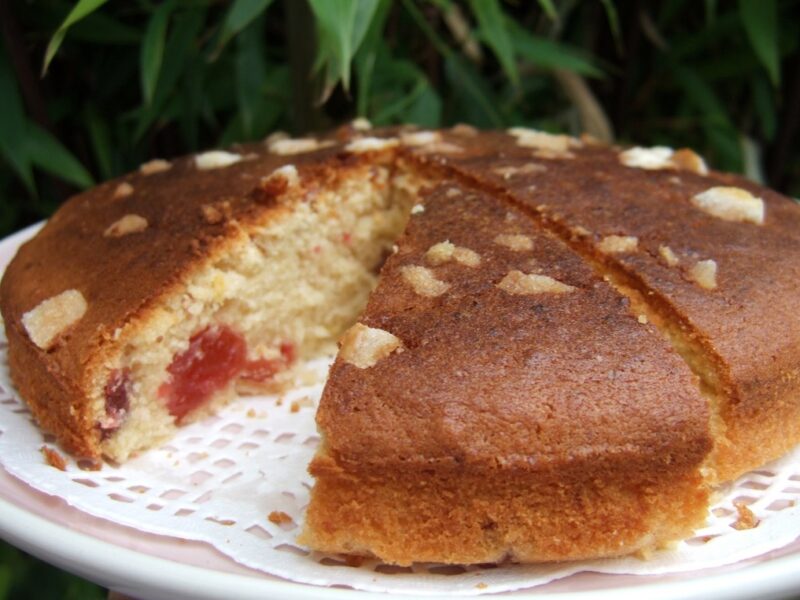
<point>251,413</point>
<point>351,560</point>
<point>482,585</point>
<point>746,520</point>
<point>296,405</point>
<point>279,517</point>
<point>90,464</point>
<point>53,458</point>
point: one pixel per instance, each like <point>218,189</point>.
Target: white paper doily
<point>220,480</point>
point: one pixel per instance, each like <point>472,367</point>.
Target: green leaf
<point>178,49</point>
<point>764,104</point>
<point>47,153</point>
<point>613,23</point>
<point>760,21</point>
<point>251,70</point>
<point>100,138</point>
<point>152,49</point>
<point>702,42</point>
<point>703,96</point>
<point>493,31</point>
<point>12,126</point>
<point>239,15</point>
<point>718,126</point>
<point>426,110</point>
<point>367,54</point>
<point>473,92</point>
<point>549,9</point>
<point>341,27</point>
<point>99,28</point>
<point>82,8</point>
<point>426,28</point>
<point>549,54</point>
<point>190,102</point>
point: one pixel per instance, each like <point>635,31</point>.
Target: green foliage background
<point>91,89</point>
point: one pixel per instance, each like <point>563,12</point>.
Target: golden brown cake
<point>712,258</point>
<point>568,346</point>
<point>147,301</point>
<point>520,410</point>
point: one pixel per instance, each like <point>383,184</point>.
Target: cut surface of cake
<point>192,279</point>
<point>565,345</point>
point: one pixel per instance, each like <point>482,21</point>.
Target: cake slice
<point>148,301</point>
<point>497,399</point>
<point>711,258</point>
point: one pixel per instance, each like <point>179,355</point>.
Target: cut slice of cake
<point>499,399</point>
<point>710,258</point>
<point>148,301</point>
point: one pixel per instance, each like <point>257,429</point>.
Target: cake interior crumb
<point>288,287</point>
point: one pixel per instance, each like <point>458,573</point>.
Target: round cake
<point>550,348</point>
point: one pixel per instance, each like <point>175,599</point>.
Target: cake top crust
<point>126,242</point>
<point>720,251</point>
<point>526,360</point>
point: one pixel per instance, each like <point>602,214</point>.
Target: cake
<point>551,349</point>
<point>144,303</point>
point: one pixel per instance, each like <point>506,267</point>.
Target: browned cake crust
<point>193,216</point>
<point>532,425</point>
<point>743,336</point>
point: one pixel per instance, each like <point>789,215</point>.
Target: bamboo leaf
<point>152,49</point>
<point>189,101</point>
<point>426,110</point>
<point>760,21</point>
<point>764,105</point>
<point>251,71</point>
<point>100,138</point>
<point>703,96</point>
<point>178,49</point>
<point>613,23</point>
<point>367,54</point>
<point>717,124</point>
<point>493,32</point>
<point>12,125</point>
<point>47,153</point>
<point>426,28</point>
<point>472,91</point>
<point>549,9</point>
<point>341,27</point>
<point>240,14</point>
<point>99,28</point>
<point>549,54</point>
<point>82,9</point>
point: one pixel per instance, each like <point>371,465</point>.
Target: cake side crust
<point>484,516</point>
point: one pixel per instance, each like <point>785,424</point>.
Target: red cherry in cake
<point>117,401</point>
<point>215,356</point>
